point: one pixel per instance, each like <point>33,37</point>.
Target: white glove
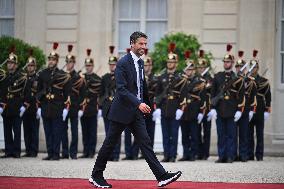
<point>266,115</point>
<point>80,113</point>
<point>22,111</point>
<point>157,114</point>
<point>99,113</point>
<point>64,114</point>
<point>250,115</point>
<point>38,113</point>
<point>237,116</point>
<point>179,113</point>
<point>200,117</point>
<point>212,115</point>
<point>1,110</point>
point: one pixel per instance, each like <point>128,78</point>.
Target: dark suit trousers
<point>138,129</point>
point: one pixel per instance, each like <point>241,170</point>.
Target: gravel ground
<point>271,170</point>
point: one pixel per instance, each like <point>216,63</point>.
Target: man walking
<point>127,110</point>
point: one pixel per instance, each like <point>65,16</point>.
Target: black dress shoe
<point>55,158</point>
<point>259,158</point>
<point>229,160</point>
<point>99,182</point>
<point>172,159</point>
<point>199,158</point>
<point>64,157</point>
<point>74,157</point>
<point>91,156</point>
<point>127,158</point>
<point>168,178</point>
<point>113,159</point>
<point>220,161</point>
<point>27,155</point>
<point>17,156</point>
<point>47,158</point>
<point>165,159</point>
<point>84,156</point>
<point>33,155</point>
<point>242,159</point>
<point>191,159</point>
<point>6,156</point>
<point>183,159</point>
<point>251,158</point>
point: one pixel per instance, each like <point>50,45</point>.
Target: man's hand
<point>80,113</point>
<point>212,115</point>
<point>22,111</point>
<point>157,114</point>
<point>237,116</point>
<point>1,110</point>
<point>179,113</point>
<point>65,113</point>
<point>144,108</point>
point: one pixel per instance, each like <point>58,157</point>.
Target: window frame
<point>143,20</point>
<point>10,17</point>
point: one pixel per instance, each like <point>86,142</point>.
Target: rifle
<point>222,89</point>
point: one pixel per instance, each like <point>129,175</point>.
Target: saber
<point>205,71</point>
<point>244,66</point>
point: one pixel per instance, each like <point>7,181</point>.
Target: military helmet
<point>112,59</point>
<point>254,59</point>
<point>89,60</point>
<point>240,62</point>
<point>147,59</point>
<point>12,56</point>
<point>31,59</point>
<point>53,54</point>
<point>189,62</point>
<point>70,57</point>
<point>202,62</point>
<point>229,56</point>
<point>172,57</point>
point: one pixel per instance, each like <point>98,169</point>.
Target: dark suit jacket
<point>125,103</point>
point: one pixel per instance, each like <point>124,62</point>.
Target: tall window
<point>148,16</point>
<point>7,14</point>
<point>282,41</point>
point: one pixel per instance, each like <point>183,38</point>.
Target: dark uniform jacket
<point>208,79</point>
<point>152,83</point>
<point>107,92</point>
<point>193,98</point>
<point>53,92</point>
<point>233,95</point>
<point>91,94</point>
<point>14,93</point>
<point>76,93</point>
<point>168,93</point>
<point>263,95</point>
<point>32,90</point>
<point>250,95</point>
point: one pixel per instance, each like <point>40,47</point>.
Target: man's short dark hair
<point>134,36</point>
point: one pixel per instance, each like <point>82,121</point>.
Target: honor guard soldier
<point>77,87</point>
<point>89,108</point>
<point>192,108</point>
<point>168,98</point>
<point>263,110</point>
<point>53,103</point>
<point>227,105</point>
<point>204,133</point>
<point>249,109</point>
<point>107,94</point>
<point>14,103</point>
<point>30,118</point>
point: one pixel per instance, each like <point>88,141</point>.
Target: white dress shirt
<point>135,58</point>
